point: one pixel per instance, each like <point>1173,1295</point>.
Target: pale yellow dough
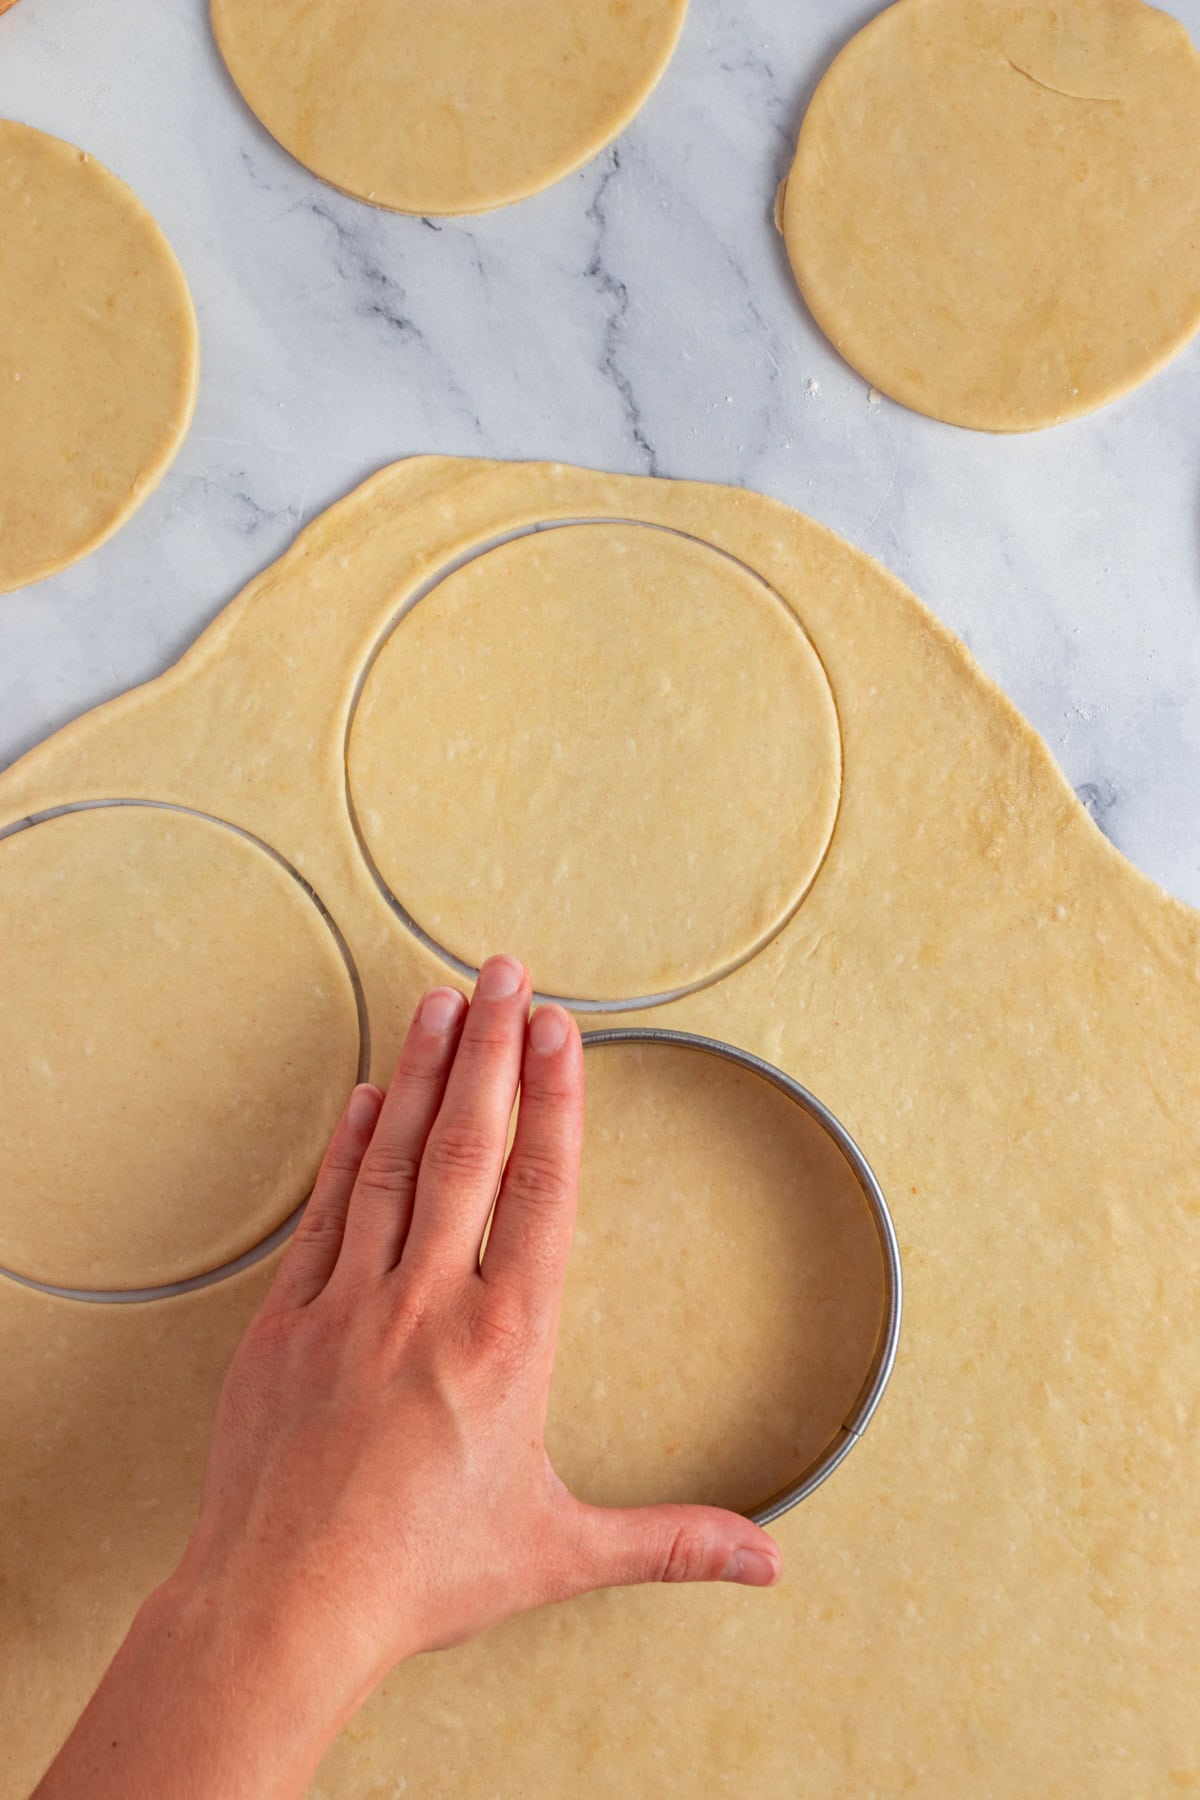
<point>994,211</point>
<point>99,355</point>
<point>178,1034</point>
<point>451,106</point>
<point>104,1420</point>
<point>607,749</point>
<point>711,1195</point>
<point>998,1594</point>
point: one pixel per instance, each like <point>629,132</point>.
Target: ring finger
<point>381,1205</point>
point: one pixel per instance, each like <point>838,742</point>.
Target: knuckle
<point>424,1337</point>
<point>686,1555</point>
<point>337,1311</point>
<point>320,1225</point>
<point>460,1149</point>
<point>388,1169</point>
<point>340,1159</point>
<point>411,1316</point>
<point>423,1071</point>
<point>502,1329</point>
<point>270,1341</point>
<point>553,1090</point>
<point>487,1036</point>
<point>536,1176</point>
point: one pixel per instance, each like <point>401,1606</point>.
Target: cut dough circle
<point>607,748</point>
<point>709,1189</point>
<point>454,106</point>
<point>994,211</point>
<point>179,1031</point>
<point>99,357</point>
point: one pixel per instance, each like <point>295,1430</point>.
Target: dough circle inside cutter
<point>725,1291</point>
<point>605,747</point>
<point>451,106</point>
<point>178,1033</point>
<point>994,211</point>
<point>99,355</point>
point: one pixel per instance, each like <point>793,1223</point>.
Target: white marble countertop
<point>639,316</point>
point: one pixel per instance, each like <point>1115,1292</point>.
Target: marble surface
<point>639,316</point>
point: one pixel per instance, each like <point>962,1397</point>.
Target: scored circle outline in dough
<point>99,357</point>
<point>499,783</point>
<point>686,1153</point>
<point>994,209</point>
<point>160,967</point>
<point>455,106</point>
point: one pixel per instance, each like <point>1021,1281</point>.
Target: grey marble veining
<point>639,316</point>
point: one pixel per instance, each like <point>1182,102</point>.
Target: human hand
<point>379,1445</point>
<point>377,1482</point>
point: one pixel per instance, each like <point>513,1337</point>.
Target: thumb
<point>624,1545</point>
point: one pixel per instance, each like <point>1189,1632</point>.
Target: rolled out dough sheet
<point>994,211</point>
<point>99,355</point>
<point>998,1593</point>
<point>453,106</point>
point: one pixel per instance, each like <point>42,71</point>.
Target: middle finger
<point>464,1157</point>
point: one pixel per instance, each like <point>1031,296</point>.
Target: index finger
<point>530,1238</point>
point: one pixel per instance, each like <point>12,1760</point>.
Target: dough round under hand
<point>994,211</point>
<point>99,355</point>
<point>451,106</point>
<point>607,748</point>
<point>725,1290</point>
<point>177,1034</point>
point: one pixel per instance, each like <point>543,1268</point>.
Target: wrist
<point>278,1624</point>
<point>209,1697</point>
<point>261,1704</point>
<point>258,1637</point>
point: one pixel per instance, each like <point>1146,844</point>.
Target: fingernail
<point>753,1568</point>
<point>499,977</point>
<point>548,1030</point>
<point>441,1009</point>
<point>363,1109</point>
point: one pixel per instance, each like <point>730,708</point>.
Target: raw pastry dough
<point>609,749</point>
<point>99,355</point>
<point>104,1420</point>
<point>710,1190</point>
<point>453,106</point>
<point>994,211</point>
<point>999,1592</point>
<point>179,1031</point>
